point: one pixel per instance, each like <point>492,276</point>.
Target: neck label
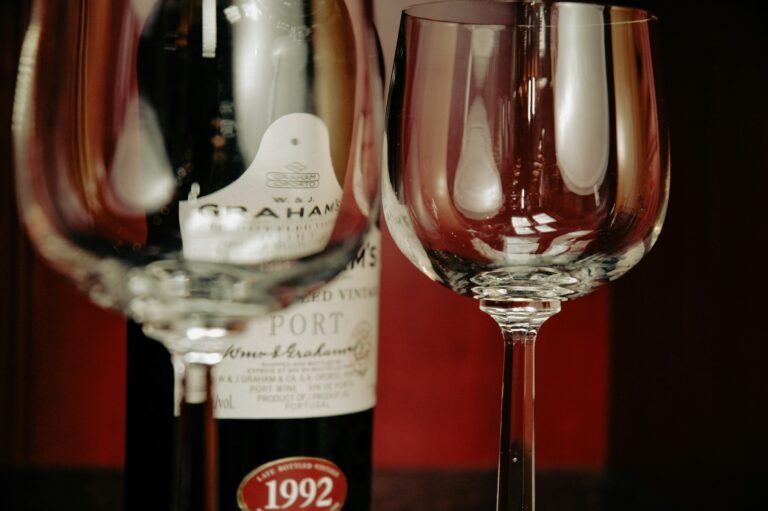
<point>284,206</point>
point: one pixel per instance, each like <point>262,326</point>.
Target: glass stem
<point>520,322</point>
<point>515,484</point>
<point>196,464</point>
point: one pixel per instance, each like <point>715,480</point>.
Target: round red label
<point>294,484</point>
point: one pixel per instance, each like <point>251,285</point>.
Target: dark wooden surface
<point>89,490</point>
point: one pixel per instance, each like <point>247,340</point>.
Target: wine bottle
<point>300,388</point>
<point>295,399</point>
<point>275,96</point>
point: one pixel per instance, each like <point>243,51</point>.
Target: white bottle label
<point>283,206</point>
<point>316,358</point>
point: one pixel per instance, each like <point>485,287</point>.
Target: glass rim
<point>432,14</point>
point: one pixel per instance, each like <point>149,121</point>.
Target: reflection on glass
<point>580,83</point>
<point>477,185</point>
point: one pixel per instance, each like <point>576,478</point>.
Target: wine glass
<point>528,165</point>
<point>197,164</point>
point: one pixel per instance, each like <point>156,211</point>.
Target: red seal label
<point>294,484</point>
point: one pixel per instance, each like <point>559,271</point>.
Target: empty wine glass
<point>528,165</point>
<point>196,164</point>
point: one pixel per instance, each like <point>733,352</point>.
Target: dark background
<point>689,405</point>
<point>687,391</point>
